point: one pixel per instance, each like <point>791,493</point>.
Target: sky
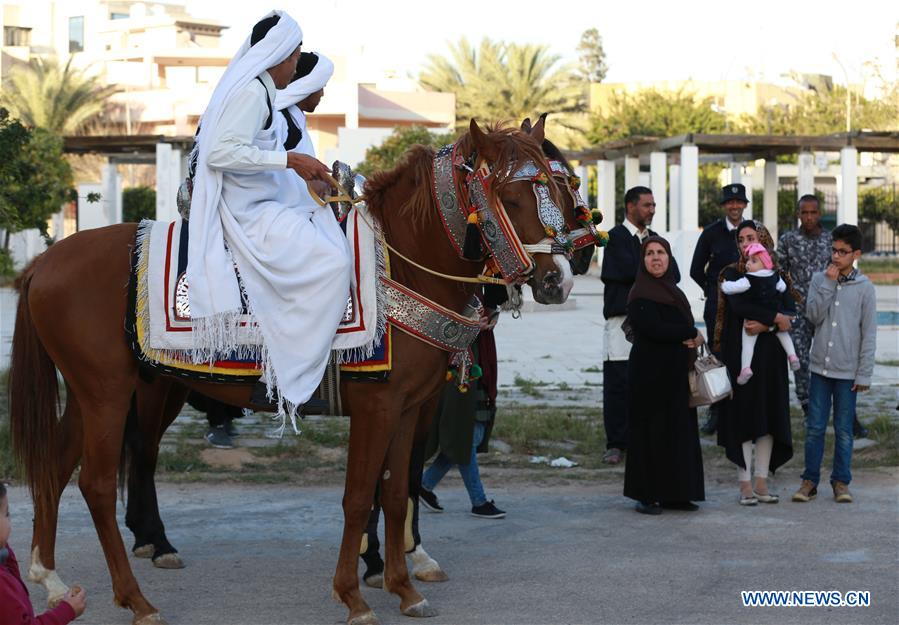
<point>644,40</point>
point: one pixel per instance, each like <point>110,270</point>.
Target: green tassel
<point>597,217</point>
<point>475,372</point>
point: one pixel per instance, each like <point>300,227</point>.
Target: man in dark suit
<point>621,259</point>
<point>716,249</point>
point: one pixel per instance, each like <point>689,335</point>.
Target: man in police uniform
<point>716,249</point>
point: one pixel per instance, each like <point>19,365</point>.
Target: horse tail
<point>33,402</point>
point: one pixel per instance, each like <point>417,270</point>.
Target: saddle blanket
<point>162,309</point>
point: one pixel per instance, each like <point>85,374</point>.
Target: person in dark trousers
<point>715,251</point>
<point>221,432</point>
<point>664,459</point>
<point>621,259</point>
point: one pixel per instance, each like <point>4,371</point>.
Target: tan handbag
<point>709,381</point>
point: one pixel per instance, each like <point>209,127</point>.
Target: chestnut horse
<point>71,317</point>
<point>147,424</point>
<point>424,567</point>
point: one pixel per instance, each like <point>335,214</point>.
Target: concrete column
<point>111,200</point>
<point>689,187</point>
<point>674,208</point>
<point>769,201</point>
<point>605,193</point>
<point>631,172</point>
<point>658,163</point>
<point>847,209</point>
<point>747,182</point>
<point>736,173</point>
<point>583,173</point>
<point>169,176</point>
<point>805,182</point>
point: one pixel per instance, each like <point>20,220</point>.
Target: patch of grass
<point>546,357</point>
<point>888,363</point>
<point>563,386</point>
<point>879,264</point>
<point>528,386</point>
<point>185,458</point>
<point>532,430</point>
<point>593,369</point>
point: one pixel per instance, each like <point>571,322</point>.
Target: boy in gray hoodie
<point>842,305</point>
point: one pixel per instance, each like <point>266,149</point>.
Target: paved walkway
<point>570,553</point>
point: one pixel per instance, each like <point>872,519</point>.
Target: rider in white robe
<point>295,273</point>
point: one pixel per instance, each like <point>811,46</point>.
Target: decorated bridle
<point>587,234</point>
<point>476,212</point>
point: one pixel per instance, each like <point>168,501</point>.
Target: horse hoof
<point>168,561</point>
<point>374,581</point>
<point>154,618</point>
<point>368,618</point>
<point>431,575</point>
<point>422,609</point>
<point>144,551</point>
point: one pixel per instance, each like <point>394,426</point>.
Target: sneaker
<point>841,492</point>
<point>231,429</point>
<point>613,455</point>
<point>794,362</point>
<point>429,499</point>
<point>744,376</point>
<point>807,491</point>
<point>859,430</point>
<point>487,511</point>
<point>648,507</point>
<point>218,438</point>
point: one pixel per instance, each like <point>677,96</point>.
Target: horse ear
<point>538,130</point>
<point>526,125</point>
<point>482,143</point>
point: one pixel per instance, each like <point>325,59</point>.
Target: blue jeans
<point>822,391</point>
<point>471,477</point>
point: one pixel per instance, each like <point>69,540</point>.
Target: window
<point>76,34</point>
<point>119,16</point>
<point>16,36</point>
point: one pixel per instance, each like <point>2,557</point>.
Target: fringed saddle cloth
<point>160,327</point>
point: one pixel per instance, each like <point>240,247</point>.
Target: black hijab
<point>662,290</point>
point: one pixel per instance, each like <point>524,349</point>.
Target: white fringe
<point>367,350</point>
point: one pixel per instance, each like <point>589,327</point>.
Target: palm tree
<point>506,81</point>
<point>61,99</point>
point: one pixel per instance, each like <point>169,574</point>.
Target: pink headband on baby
<point>757,249</point>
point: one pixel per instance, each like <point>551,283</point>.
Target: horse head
<point>574,210</point>
<point>521,187</point>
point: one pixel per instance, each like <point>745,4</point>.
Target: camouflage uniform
<point>800,255</point>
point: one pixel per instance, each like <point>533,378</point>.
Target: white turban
<point>302,88</point>
<point>213,289</point>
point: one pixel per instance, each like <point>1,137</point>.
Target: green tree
<point>388,154</point>
<point>35,180</point>
<point>58,98</point>
<point>652,113</point>
<point>592,57</point>
<point>505,81</point>
<point>824,112</point>
<point>138,203</point>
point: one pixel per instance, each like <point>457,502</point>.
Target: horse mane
<point>555,154</point>
<point>513,147</point>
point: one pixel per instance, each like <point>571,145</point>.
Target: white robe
<point>295,271</point>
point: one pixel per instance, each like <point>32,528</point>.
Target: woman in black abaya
<point>664,459</point>
<point>759,412</point>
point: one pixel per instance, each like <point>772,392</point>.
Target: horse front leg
<point>397,511</point>
<point>424,567</point>
<point>370,432</point>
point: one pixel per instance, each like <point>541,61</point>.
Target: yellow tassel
<point>473,218</point>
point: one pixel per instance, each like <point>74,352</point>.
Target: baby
<point>15,606</point>
<point>764,287</point>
